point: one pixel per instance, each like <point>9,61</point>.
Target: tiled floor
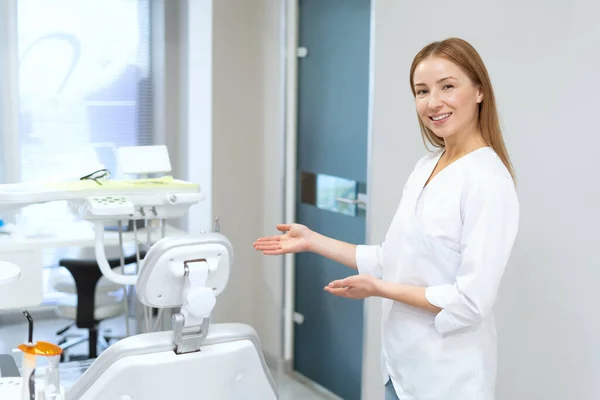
<point>13,334</point>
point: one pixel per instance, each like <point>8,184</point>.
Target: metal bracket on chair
<point>188,339</point>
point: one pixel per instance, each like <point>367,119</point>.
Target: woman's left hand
<point>354,287</point>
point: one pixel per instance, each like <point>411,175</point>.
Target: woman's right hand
<point>295,239</point>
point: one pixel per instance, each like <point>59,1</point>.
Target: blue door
<point>333,111</point>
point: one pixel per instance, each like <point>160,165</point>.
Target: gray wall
<point>544,60</point>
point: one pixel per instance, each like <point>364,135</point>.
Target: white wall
<point>544,61</point>
<point>247,143</point>
<point>231,55</point>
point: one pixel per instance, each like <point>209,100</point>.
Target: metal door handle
<point>351,201</point>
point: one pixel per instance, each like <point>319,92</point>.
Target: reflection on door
<point>332,193</point>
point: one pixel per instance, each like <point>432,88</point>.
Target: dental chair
<point>196,360</point>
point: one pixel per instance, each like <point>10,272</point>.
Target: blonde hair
<point>461,53</point>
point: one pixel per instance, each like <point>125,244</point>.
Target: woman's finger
<point>269,238</point>
<point>269,243</point>
<point>340,283</point>
<point>267,246</point>
<point>342,292</point>
<point>273,252</point>
<point>284,227</point>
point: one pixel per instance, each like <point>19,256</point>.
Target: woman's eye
<point>421,92</point>
<point>448,87</point>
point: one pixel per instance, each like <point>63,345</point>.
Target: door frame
<point>290,33</point>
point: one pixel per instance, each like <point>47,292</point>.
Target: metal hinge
<point>298,318</point>
<point>301,52</point>
<point>188,339</point>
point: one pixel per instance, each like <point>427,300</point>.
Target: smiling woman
<point>446,249</point>
<point>450,82</point>
<point>440,99</point>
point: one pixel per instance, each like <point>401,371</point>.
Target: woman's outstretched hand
<point>358,286</point>
<point>295,239</point>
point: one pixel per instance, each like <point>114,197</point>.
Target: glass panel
<point>84,83</point>
<point>332,191</point>
<point>84,89</point>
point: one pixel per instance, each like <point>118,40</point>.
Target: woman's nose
<point>435,102</point>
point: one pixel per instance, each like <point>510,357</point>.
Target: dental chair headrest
<point>163,275</point>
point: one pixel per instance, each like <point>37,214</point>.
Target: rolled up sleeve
<point>490,225</point>
<point>369,259</point>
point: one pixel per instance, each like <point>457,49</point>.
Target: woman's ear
<point>479,94</point>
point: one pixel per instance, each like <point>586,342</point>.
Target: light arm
<point>364,258</point>
<point>336,250</point>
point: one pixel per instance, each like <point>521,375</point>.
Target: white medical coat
<point>454,237</point>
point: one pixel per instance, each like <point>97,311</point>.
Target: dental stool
<point>197,359</point>
<point>94,300</point>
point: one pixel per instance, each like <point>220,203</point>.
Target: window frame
<point>9,97</point>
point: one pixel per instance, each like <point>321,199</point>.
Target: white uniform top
<point>454,237</point>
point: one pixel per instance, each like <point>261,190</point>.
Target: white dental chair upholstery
<point>229,365</point>
<point>197,360</point>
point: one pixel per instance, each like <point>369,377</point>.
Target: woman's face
<point>446,99</point>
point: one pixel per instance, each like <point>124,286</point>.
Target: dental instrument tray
<point>117,198</point>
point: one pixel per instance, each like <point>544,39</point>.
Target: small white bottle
<point>52,380</point>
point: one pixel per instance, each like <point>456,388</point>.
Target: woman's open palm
<point>293,240</point>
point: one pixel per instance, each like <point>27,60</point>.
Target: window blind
<point>85,84</point>
<point>84,88</point>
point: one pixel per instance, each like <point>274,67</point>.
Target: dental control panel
<point>107,206</point>
<point>134,207</point>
